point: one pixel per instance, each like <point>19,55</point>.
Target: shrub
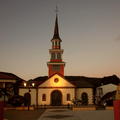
<point>16,100</point>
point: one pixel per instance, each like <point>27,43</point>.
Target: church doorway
<point>56,98</point>
<point>84,98</point>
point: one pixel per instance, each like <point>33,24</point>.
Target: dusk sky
<point>89,29</point>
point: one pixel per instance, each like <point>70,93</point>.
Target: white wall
<point>89,91</point>
<point>22,91</point>
<point>106,88</point>
<point>48,91</point>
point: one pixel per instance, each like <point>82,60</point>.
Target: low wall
<point>18,108</point>
<point>86,108</point>
<point>109,107</point>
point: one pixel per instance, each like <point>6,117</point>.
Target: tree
<point>5,92</point>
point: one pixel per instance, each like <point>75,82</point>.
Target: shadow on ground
<point>58,116</point>
<point>23,114</point>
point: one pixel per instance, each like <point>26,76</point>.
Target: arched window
<point>53,55</point>
<point>58,55</point>
<point>55,43</point>
<point>68,97</point>
<point>44,97</point>
<point>27,97</point>
<point>84,97</point>
<point>59,44</point>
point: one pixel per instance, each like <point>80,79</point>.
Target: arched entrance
<point>27,97</point>
<point>56,98</point>
<point>84,98</point>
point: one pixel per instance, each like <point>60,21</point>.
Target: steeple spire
<point>56,65</point>
<point>56,29</point>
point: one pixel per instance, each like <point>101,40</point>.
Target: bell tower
<point>56,65</point>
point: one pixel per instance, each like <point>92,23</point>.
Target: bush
<point>16,100</point>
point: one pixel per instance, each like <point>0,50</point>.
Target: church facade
<point>57,90</point>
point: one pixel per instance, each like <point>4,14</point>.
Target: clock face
<point>56,80</point>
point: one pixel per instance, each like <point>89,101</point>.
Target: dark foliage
<point>41,78</point>
<point>110,79</point>
<point>16,100</point>
<point>4,91</point>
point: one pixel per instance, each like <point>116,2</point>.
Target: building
<point>6,81</point>
<point>57,90</point>
<point>105,92</point>
<point>117,94</point>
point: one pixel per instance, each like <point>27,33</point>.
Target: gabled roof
<point>60,76</point>
<point>83,84</point>
<point>107,85</point>
<point>108,95</point>
<point>4,76</point>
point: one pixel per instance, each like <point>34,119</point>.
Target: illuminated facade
<point>57,90</point>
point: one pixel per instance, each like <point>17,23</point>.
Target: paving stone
<point>66,114</point>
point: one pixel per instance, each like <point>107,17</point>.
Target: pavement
<point>67,114</point>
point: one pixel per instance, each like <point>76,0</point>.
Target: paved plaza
<point>66,114</point>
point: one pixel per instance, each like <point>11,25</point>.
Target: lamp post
<point>28,97</point>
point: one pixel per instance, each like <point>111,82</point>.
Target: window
<point>53,55</point>
<point>59,43</point>
<point>119,92</point>
<point>55,43</point>
<point>68,97</point>
<point>58,55</point>
<point>56,80</point>
<point>1,85</point>
<point>101,91</point>
<point>44,97</point>
<point>56,67</point>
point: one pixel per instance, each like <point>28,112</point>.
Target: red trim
<point>56,47</point>
<point>51,72</point>
<point>56,60</point>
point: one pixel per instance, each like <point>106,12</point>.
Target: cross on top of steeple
<point>56,9</point>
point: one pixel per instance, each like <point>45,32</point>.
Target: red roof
<point>4,76</point>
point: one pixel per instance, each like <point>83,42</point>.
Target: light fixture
<point>25,84</point>
<point>33,84</point>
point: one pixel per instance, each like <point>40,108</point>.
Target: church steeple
<point>56,30</point>
<point>56,65</point>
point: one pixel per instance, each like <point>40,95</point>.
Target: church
<point>56,90</point>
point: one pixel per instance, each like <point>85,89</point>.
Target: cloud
<point>117,38</point>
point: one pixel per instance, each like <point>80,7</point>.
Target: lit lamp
<point>33,84</point>
<point>25,85</point>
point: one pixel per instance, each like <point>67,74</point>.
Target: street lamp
<point>28,97</point>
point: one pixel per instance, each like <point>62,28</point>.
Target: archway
<point>56,98</point>
<point>27,97</point>
<point>84,98</point>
